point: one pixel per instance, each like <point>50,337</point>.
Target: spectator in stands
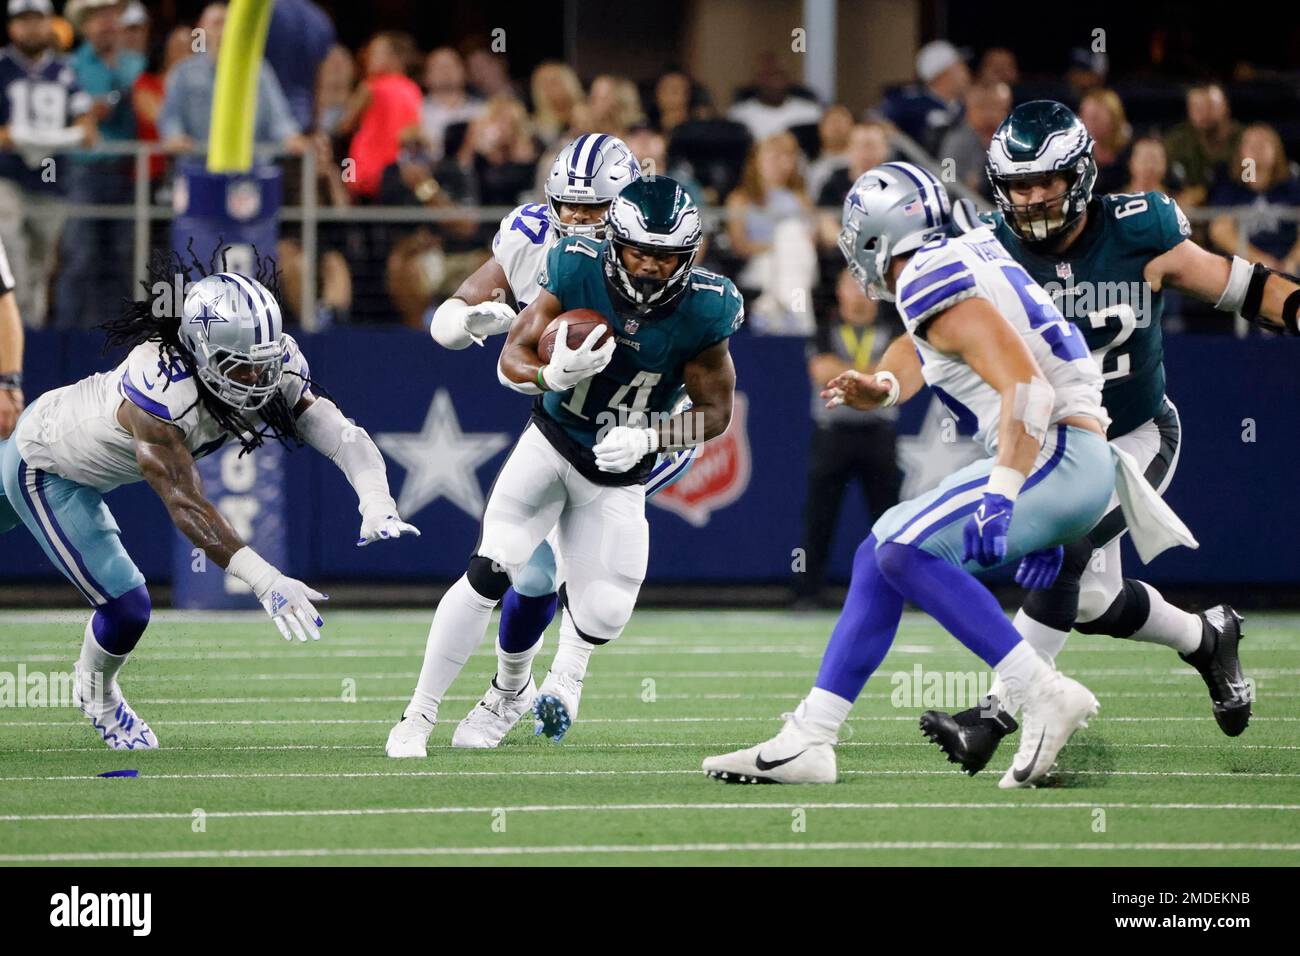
<point>334,86</point>
<point>147,92</point>
<point>301,35</point>
<point>998,65</point>
<point>966,145</point>
<point>650,147</point>
<point>868,147</point>
<point>925,110</point>
<point>31,192</point>
<point>557,94</point>
<point>333,245</point>
<point>95,254</point>
<point>1202,144</point>
<point>499,155</point>
<point>613,106</point>
<point>134,25</point>
<point>381,110</point>
<point>768,226</point>
<point>847,445</point>
<point>1262,180</point>
<point>833,132</point>
<point>775,105</point>
<point>677,99</point>
<point>187,100</point>
<point>447,100</point>
<point>1086,71</point>
<point>1102,113</point>
<point>1148,166</point>
<point>489,74</point>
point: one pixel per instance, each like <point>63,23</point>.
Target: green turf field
<point>258,736</point>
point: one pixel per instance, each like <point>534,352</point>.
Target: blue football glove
<point>985,533</point>
<point>1038,569</point>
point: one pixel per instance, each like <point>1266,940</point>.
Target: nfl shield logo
<point>1064,270</point>
<point>718,477</point>
<point>630,326</point>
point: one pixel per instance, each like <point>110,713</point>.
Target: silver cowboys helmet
<point>591,170</point>
<point>231,326</point>
<point>892,209</point>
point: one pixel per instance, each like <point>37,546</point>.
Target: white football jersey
<point>520,247</point>
<point>73,431</point>
<point>945,271</point>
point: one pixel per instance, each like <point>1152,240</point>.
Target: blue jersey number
<point>1044,317</point>
<point>536,212</point>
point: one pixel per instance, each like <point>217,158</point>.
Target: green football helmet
<point>1039,138</point>
<point>654,214</point>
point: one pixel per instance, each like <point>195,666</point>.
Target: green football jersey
<point>1098,284</point>
<point>646,374</point>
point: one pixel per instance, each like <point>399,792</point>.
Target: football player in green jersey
<point>601,415</point>
<point>1106,261</point>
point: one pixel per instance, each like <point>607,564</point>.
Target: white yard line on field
<point>445,851</point>
<point>622,807</point>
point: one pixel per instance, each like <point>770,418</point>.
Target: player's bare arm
<point>1260,294</point>
<point>976,332</point>
<point>711,384</point>
<point>520,365</point>
<point>168,467</point>
<point>899,368</point>
<point>11,364</point>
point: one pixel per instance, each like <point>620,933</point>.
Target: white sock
<point>1016,672</point>
<point>514,669</point>
<point>826,712</point>
<point>98,668</point>
<point>1047,641</point>
<point>574,652</point>
<point>1168,625</point>
<point>458,627</point>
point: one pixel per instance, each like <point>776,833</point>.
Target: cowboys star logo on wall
<point>441,460</point>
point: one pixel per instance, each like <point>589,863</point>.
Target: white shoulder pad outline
<point>167,391</point>
<point>944,278</point>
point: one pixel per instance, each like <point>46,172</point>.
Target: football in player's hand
<point>581,322</point>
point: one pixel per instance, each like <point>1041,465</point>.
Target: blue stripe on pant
<point>73,526</point>
<point>1065,495</point>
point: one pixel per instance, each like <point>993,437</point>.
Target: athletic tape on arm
<point>1033,406</point>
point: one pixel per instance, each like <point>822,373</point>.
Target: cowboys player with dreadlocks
<point>221,369</point>
<point>1106,260</point>
<point>584,179</point>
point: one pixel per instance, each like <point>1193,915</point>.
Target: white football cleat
<point>112,717</point>
<point>410,737</point>
<point>492,717</point>
<point>555,707</point>
<point>1055,708</point>
<point>797,754</point>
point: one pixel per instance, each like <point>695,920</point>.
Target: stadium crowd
<point>459,130</point>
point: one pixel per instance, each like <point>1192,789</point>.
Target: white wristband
<point>894,388</point>
<point>1004,481</point>
<point>254,570</point>
<point>1234,293</point>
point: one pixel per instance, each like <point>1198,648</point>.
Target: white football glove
<point>380,521</point>
<point>569,366</point>
<point>623,447</point>
<point>487,319</point>
<point>288,601</point>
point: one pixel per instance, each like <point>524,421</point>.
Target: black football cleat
<point>1219,666</point>
<point>971,737</point>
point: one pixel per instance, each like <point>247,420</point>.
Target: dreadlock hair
<point>157,318</point>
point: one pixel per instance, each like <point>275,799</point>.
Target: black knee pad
<point>1056,607</point>
<point>564,603</point>
<point>1128,612</point>
<point>486,577</point>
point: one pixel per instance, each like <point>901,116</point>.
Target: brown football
<point>581,322</point>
